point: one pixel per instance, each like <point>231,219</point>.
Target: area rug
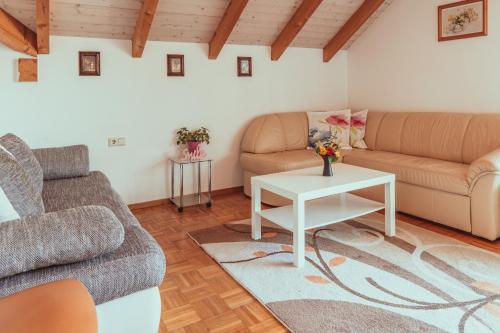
<point>357,280</point>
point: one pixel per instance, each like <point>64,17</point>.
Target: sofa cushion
<point>57,238</point>
<point>329,126</point>
<point>276,132</point>
<point>63,162</point>
<point>138,264</point>
<point>430,173</point>
<point>358,129</point>
<point>18,187</point>
<point>93,190</point>
<point>482,137</point>
<point>453,137</point>
<point>26,159</point>
<point>262,164</point>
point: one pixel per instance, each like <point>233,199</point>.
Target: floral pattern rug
<point>357,280</point>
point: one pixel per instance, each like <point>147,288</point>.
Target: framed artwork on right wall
<point>464,19</point>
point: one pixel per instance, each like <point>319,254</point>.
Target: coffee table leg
<point>298,233</point>
<point>390,209</point>
<point>256,220</point>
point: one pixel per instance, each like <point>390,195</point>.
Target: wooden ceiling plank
<point>143,26</point>
<point>43,26</point>
<point>349,29</point>
<point>16,35</point>
<point>293,27</point>
<point>226,26</point>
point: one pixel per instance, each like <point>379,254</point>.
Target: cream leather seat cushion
<point>279,162</point>
<point>427,172</point>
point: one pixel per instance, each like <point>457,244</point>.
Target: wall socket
<point>116,142</point>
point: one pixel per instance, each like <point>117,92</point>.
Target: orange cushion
<point>57,307</point>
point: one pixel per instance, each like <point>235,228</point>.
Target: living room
<point>160,235</point>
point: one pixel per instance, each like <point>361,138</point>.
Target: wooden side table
<point>199,198</point>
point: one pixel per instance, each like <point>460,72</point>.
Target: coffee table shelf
<point>324,211</point>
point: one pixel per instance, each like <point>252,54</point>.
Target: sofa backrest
<point>276,132</point>
<point>455,137</point>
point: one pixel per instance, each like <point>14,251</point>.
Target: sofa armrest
<point>489,163</point>
<point>58,238</point>
<point>63,162</point>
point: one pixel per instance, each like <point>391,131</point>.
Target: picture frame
<point>463,19</point>
<point>27,70</point>
<point>245,66</point>
<point>175,65</point>
<point>90,63</point>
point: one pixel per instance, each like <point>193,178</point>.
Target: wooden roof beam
<point>143,26</point>
<point>16,35</point>
<point>349,29</point>
<point>43,26</point>
<point>226,26</point>
<point>293,27</point>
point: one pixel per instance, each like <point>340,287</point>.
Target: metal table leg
<point>199,182</point>
<point>172,180</point>
<point>209,203</point>
<point>181,198</point>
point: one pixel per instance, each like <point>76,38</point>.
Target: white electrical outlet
<point>116,142</point>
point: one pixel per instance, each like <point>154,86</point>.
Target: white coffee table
<point>319,201</point>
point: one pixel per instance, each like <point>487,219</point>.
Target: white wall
<point>398,63</point>
<point>135,99</point>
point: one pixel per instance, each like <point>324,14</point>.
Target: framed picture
<point>28,70</point>
<point>244,66</point>
<point>464,19</point>
<point>90,63</point>
<point>175,65</point>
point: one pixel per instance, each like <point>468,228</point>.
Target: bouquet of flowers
<point>328,150</point>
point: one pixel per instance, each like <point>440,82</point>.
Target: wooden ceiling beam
<point>293,27</point>
<point>143,26</point>
<point>43,26</point>
<point>16,35</point>
<point>226,26</point>
<point>349,29</point>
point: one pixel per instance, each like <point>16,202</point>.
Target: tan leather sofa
<point>447,164</point>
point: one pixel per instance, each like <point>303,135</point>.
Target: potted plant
<point>193,138</point>
<point>330,152</point>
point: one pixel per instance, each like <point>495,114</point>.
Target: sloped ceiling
<point>193,20</point>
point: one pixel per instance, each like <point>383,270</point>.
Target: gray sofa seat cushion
<point>138,264</point>
<point>63,162</point>
<point>26,159</point>
<point>57,238</point>
<point>94,189</point>
<point>18,187</point>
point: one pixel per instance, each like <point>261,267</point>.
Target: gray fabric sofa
<point>74,198</point>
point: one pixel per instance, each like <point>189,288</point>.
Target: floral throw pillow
<point>358,129</point>
<point>330,126</point>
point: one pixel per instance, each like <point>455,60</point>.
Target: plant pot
<point>327,167</point>
<point>192,146</point>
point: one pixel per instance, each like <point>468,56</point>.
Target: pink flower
<point>357,122</point>
<point>338,120</point>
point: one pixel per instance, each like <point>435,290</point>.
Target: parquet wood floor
<point>197,295</point>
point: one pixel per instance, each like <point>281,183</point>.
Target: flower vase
<point>327,167</point>
<point>192,146</point>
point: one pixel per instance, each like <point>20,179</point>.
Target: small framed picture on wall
<point>464,19</point>
<point>90,63</point>
<point>244,66</point>
<point>175,65</point>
